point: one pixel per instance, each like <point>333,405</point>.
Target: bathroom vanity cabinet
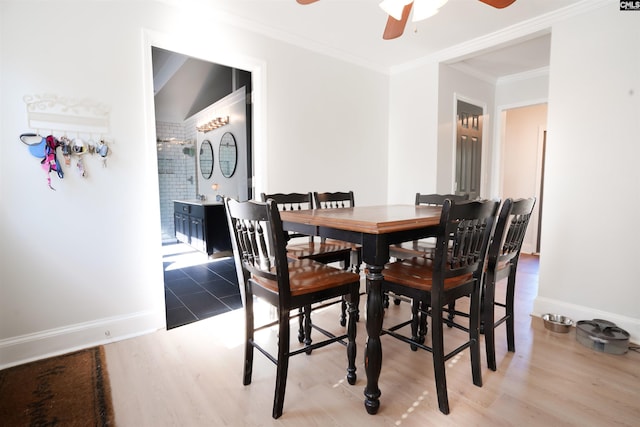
<point>202,225</point>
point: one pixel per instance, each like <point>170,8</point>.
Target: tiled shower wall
<point>176,170</point>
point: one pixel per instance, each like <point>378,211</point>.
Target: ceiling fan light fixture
<point>423,9</point>
<point>394,8</point>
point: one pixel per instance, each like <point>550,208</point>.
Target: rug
<point>68,390</point>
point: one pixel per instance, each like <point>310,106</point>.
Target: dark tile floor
<point>197,287</point>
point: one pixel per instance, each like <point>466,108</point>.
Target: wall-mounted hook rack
<point>67,115</point>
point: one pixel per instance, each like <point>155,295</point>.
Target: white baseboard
<point>543,305</point>
<point>26,348</point>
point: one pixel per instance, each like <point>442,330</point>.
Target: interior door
<point>468,149</point>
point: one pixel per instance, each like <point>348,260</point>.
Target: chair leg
<point>343,312</point>
<point>474,336</point>
<point>357,261</point>
<point>418,322</point>
<point>283,362</point>
<point>248,344</point>
<point>353,303</point>
<point>438,357</point>
<point>452,312</point>
<point>422,329</point>
<point>301,315</point>
<point>307,326</point>
<point>415,321</point>
<point>488,320</point>
<point>511,285</point>
<point>354,260</point>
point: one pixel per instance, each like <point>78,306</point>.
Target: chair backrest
<point>511,228</point>
<point>258,242</point>
<point>333,200</point>
<point>291,202</point>
<point>438,199</point>
<point>463,237</point>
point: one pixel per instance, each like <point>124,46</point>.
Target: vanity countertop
<point>200,202</point>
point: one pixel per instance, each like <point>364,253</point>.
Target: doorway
<point>469,120</point>
<point>197,285</point>
<point>522,162</point>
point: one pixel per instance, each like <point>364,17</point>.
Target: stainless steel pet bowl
<point>557,323</point>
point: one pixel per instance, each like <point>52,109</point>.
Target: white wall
<point>82,265</point>
<point>413,133</point>
<point>523,89</point>
<point>326,120</point>
<point>589,232</point>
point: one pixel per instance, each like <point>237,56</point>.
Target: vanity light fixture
<point>213,124</point>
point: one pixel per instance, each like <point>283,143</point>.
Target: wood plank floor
<point>192,376</point>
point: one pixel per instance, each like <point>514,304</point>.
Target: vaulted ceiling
<point>183,85</point>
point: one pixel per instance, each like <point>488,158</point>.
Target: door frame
<point>198,48</point>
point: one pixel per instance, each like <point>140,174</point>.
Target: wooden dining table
<point>374,228</point>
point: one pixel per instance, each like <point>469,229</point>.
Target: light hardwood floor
<point>192,376</point>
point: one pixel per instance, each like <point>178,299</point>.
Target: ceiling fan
<point>399,11</point>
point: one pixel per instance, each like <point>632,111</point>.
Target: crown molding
<point>467,69</point>
<point>279,35</point>
<point>540,72</point>
<point>514,33</point>
<point>521,31</point>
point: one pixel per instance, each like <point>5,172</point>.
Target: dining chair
<point>335,200</point>
<point>423,247</point>
<point>307,247</point>
<point>339,199</point>
<point>345,199</point>
<point>318,250</point>
<point>456,270</point>
<point>259,247</point>
<point>502,262</point>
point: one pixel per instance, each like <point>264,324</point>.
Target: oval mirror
<point>206,159</point>
<point>228,155</point>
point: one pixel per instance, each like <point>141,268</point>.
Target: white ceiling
<point>469,35</point>
<point>352,30</point>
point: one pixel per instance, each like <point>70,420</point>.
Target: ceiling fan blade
<point>498,4</point>
<point>306,1</point>
<point>395,28</point>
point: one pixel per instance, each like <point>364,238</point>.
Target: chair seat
<point>313,249</point>
<point>502,265</point>
<point>418,248</point>
<point>417,273</point>
<point>423,247</point>
<point>308,276</point>
<point>352,246</point>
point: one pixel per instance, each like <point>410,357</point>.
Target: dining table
<point>374,228</point>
